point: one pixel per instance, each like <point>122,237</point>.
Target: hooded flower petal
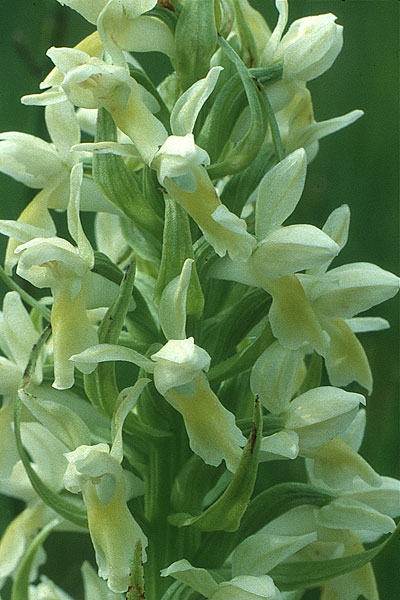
<point>178,363</point>
<point>321,413</point>
<point>177,156</point>
<point>310,47</point>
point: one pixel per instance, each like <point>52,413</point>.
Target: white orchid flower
<point>17,337</point>
<point>89,82</point>
<point>47,166</point>
<point>179,164</point>
<point>336,296</point>
<point>283,250</point>
<point>54,262</point>
<point>330,544</point>
<point>95,472</point>
<point>46,453</point>
<point>309,421</point>
<point>362,509</point>
<point>123,25</point>
<point>309,47</point>
<point>179,376</point>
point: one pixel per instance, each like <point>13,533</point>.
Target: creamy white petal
<point>188,106</point>
<point>322,413</point>
<point>63,127</point>
<point>260,553</point>
<point>279,192</point>
<point>357,287</point>
<point>363,324</point>
<point>280,445</point>
<point>348,513</point>
<point>292,318</point>
<point>273,376</point>
<point>172,308</point>
<point>290,249</point>
<point>345,359</point>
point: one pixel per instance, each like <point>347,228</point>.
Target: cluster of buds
<point>222,315</point>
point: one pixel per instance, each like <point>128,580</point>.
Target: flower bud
<point>310,47</point>
<point>195,40</point>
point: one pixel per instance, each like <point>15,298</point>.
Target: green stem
<point>276,136</point>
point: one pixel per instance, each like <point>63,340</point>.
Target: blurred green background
<point>358,166</point>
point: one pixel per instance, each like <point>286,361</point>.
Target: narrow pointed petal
<point>108,352</point>
<point>363,324</point>
<point>172,309</point>
<point>306,136</point>
<point>273,42</point>
<point>125,403</point>
<point>188,106</point>
<point>23,232</point>
<point>346,513</point>
<point>279,192</point>
<point>260,553</point>
<point>63,126</point>
<point>353,288</point>
<point>74,223</point>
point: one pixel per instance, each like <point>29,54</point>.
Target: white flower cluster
<point>169,177</point>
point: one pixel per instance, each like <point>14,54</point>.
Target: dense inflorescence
<point>223,317</point>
